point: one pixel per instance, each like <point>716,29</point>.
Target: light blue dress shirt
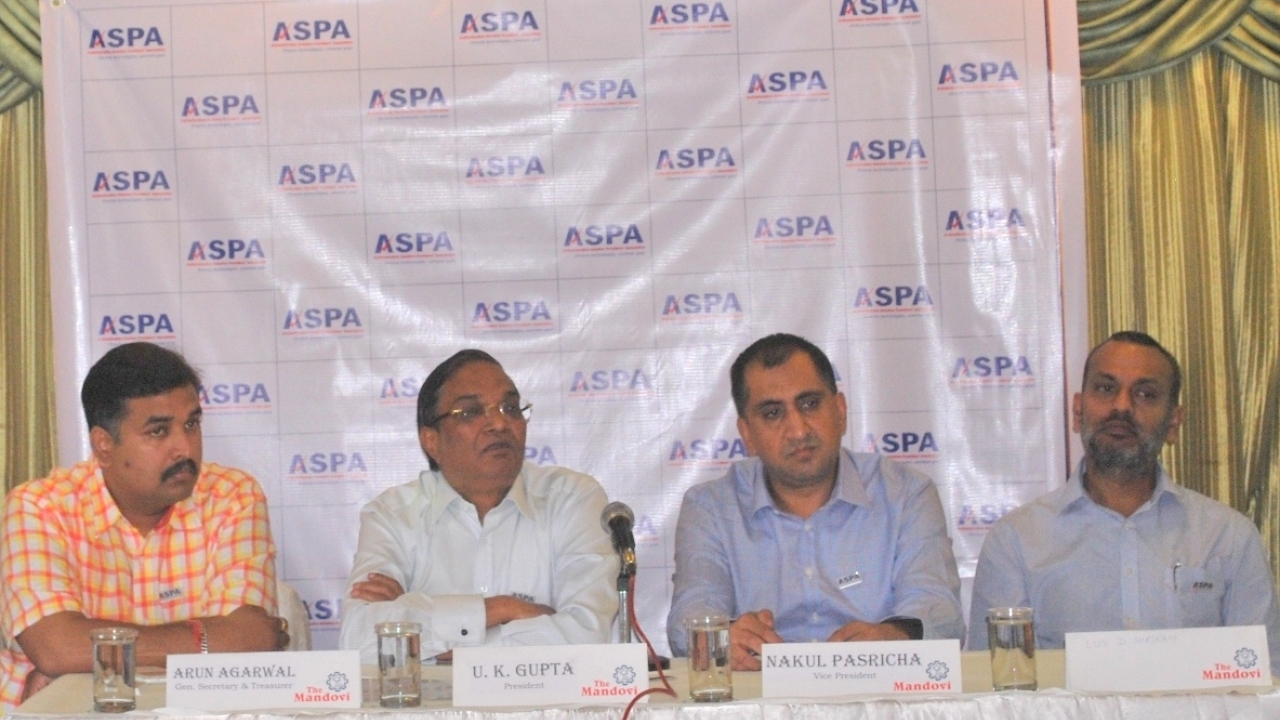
<point>1181,560</point>
<point>877,548</point>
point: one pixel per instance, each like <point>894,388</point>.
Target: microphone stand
<point>626,623</point>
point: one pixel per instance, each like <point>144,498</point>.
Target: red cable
<point>666,684</point>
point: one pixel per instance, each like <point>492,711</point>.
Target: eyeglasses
<point>468,414</point>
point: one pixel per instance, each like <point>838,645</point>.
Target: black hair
<point>770,352</point>
<point>134,370</point>
<point>1135,337</point>
<point>429,393</point>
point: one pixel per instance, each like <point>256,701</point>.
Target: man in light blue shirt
<point>1120,546</point>
<point>806,541</point>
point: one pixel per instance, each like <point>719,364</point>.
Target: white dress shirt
<point>543,543</point>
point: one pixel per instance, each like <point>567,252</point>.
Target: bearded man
<point>1121,546</point>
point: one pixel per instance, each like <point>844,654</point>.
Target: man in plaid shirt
<point>142,535</point>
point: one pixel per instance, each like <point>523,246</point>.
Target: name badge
<point>857,668</point>
<point>1176,659</point>
<point>488,676</point>
<point>253,681</point>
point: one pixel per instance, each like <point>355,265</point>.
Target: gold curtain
<point>27,432</point>
<point>20,72</point>
<point>1182,175</point>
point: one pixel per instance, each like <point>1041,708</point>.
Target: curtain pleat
<point>27,426</point>
<point>20,71</point>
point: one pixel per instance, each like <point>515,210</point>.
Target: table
<point>70,697</point>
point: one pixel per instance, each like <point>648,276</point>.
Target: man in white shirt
<point>485,548</point>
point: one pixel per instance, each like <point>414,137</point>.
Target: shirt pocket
<point>1199,593</point>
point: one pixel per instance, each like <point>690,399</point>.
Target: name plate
<point>857,668</point>
<point>1176,659</point>
<point>489,676</point>
<point>257,681</point>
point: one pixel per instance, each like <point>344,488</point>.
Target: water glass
<point>710,675</point>
<point>1011,634</point>
<point>115,689</point>
<point>399,664</point>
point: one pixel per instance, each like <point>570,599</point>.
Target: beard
<point>1142,457</point>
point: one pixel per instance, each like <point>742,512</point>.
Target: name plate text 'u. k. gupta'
<point>1174,659</point>
<point>861,668</point>
<point>548,675</point>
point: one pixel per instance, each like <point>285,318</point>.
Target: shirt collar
<point>849,486</point>
<point>104,513</point>
<point>442,494</point>
<point>1074,497</point>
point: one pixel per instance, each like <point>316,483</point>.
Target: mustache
<point>188,465</point>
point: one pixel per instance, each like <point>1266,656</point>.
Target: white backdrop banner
<point>316,202</point>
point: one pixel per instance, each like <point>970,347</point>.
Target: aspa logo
<point>317,178</point>
<point>601,94</point>
<point>235,398</point>
<point>422,246</point>
<point>512,315</point>
<point>610,384</point>
<point>399,391</point>
<point>706,452</point>
<point>979,224</point>
<point>540,454</point>
<point>505,170</point>
<point>992,370</point>
<point>220,110</point>
<point>645,531</point>
<point>608,239</point>
<point>229,254</point>
<point>892,301</point>
<point>879,12</point>
<point>133,41</point>
<point>696,162</point>
<point>327,466</point>
<point>690,18</point>
<point>322,612</point>
<point>979,518</point>
<point>407,102</point>
<point>131,185</point>
<point>132,327</point>
<point>322,34</point>
<point>907,446</point>
<point>794,230</point>
<point>507,25</point>
<point>787,85</point>
<point>886,154</point>
<point>702,307</point>
<point>322,322</point>
<point>978,76</point>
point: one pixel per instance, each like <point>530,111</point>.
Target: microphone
<point>617,520</point>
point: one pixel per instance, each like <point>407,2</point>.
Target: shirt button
<point>808,572</point>
<point>814,618</point>
<point>464,631</point>
<point>1128,571</point>
<point>484,588</point>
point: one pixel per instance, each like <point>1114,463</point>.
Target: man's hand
<point>248,628</point>
<point>502,609</point>
<point>746,636</point>
<point>36,681</point>
<point>858,631</point>
<point>378,588</point>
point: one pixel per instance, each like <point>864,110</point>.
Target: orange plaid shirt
<point>67,547</point>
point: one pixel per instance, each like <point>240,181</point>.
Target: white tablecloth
<point>70,697</point>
